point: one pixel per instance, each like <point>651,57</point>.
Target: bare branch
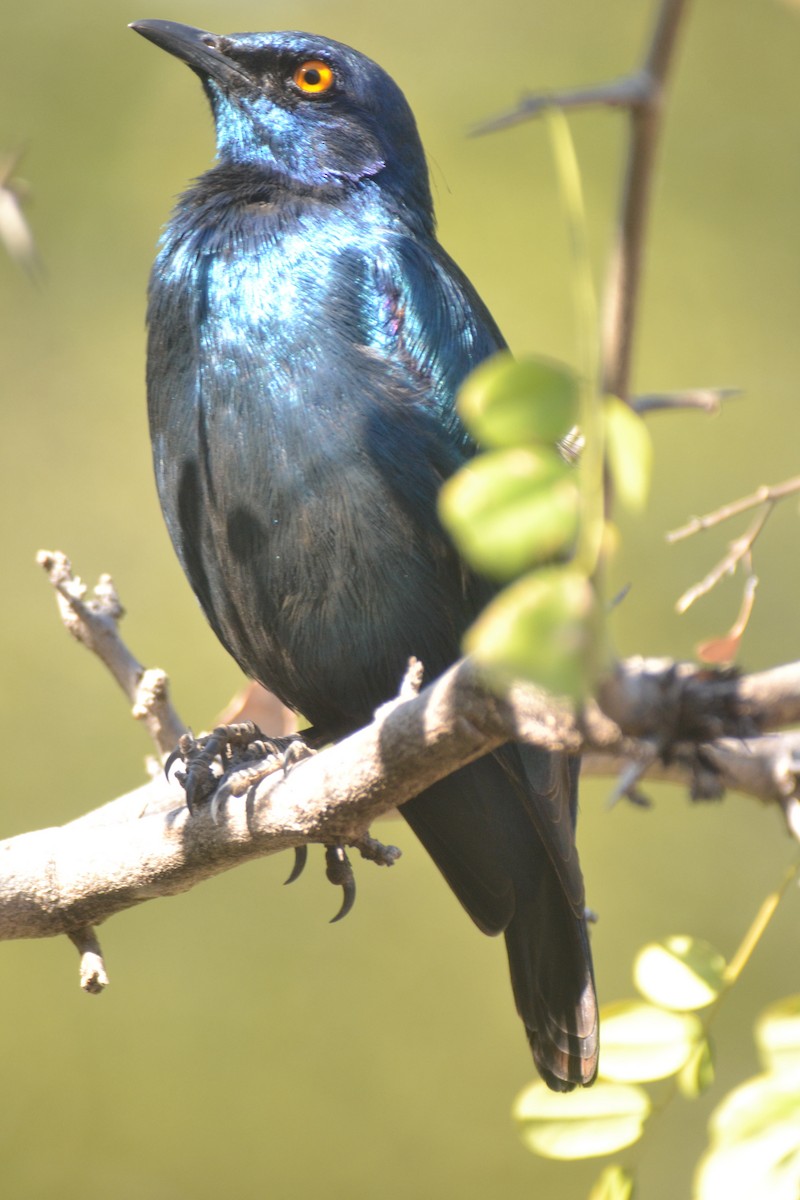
<point>95,624</point>
<point>641,94</point>
<point>763,495</point>
<point>766,768</point>
<point>708,400</point>
<point>738,551</point>
<point>93,971</point>
<point>145,845</point>
<point>627,92</point>
<point>624,274</point>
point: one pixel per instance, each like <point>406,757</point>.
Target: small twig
<point>708,400</point>
<point>629,777</point>
<point>620,302</point>
<point>762,495</point>
<point>738,551</point>
<point>627,92</point>
<point>95,624</point>
<point>92,971</point>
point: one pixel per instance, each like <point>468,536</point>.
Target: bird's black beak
<point>200,50</point>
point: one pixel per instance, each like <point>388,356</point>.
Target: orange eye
<point>314,77</point>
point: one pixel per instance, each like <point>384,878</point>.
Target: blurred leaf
<point>15,232</point>
<point>680,973</point>
<point>763,1100</point>
<point>582,1124</point>
<point>545,627</point>
<point>725,649</point>
<point>697,1076</point>
<point>614,1183</point>
<point>778,1035</point>
<point>510,510</point>
<point>642,1042</point>
<point>629,453</point>
<point>509,403</point>
<point>755,1142</point>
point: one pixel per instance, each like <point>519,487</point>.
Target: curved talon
<point>173,758</point>
<point>300,859</point>
<point>348,900</point>
<point>339,871</point>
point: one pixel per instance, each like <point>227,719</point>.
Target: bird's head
<point>307,110</point>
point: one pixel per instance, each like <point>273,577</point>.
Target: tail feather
<point>551,976</point>
<point>501,831</point>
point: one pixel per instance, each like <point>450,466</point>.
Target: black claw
<point>173,758</point>
<point>348,900</point>
<point>339,872</point>
<point>300,857</point>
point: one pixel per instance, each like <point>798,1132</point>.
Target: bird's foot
<point>233,759</point>
<point>230,761</point>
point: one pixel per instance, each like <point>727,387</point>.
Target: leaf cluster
<point>519,509</point>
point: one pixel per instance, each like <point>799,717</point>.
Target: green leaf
<point>680,973</point>
<point>509,510</point>
<point>778,1035</point>
<point>545,627</point>
<point>629,452</point>
<point>755,1142</point>
<point>642,1042</point>
<point>582,1124</point>
<point>697,1076</point>
<point>614,1183</point>
<point>509,403</point>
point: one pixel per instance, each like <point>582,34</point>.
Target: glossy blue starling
<point>307,336</point>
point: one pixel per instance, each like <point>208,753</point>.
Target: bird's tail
<point>553,984</point>
<point>547,939</point>
<point>501,831</point>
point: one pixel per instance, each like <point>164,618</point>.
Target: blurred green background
<point>245,1047</point>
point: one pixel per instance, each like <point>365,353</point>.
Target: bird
<point>307,336</point>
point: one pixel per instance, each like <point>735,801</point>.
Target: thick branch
<point>146,845</point>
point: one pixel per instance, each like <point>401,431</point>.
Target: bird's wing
<point>432,325</point>
<point>438,328</point>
